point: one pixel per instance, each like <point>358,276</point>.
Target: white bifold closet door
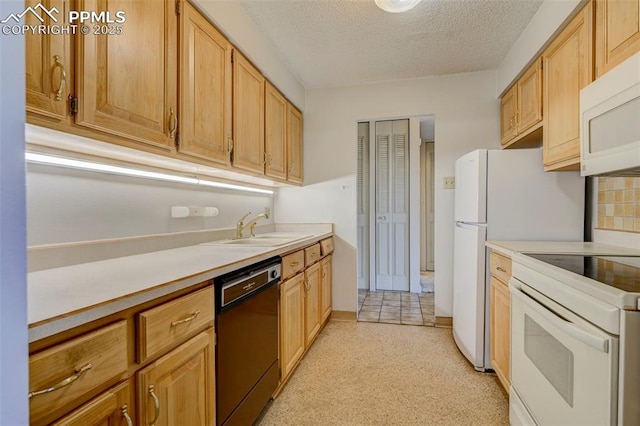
<point>392,205</point>
<point>363,205</point>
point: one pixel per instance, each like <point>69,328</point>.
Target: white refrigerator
<point>503,195</point>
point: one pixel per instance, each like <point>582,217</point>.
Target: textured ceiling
<point>329,43</point>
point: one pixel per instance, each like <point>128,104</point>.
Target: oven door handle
<point>533,299</point>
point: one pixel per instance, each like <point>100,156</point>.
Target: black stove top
<point>621,272</point>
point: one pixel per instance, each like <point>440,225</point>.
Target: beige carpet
<point>383,374</point>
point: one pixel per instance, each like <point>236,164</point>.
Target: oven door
<point>562,367</point>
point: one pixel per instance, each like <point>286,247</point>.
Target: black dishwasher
<point>247,346</point>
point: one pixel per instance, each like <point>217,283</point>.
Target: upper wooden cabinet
<point>275,125</point>
<point>521,108</point>
<point>169,83</point>
<point>127,83</point>
<point>294,145</point>
<point>617,32</point>
<point>48,66</point>
<point>568,67</point>
<point>205,89</point>
<point>248,116</point>
<point>508,108</point>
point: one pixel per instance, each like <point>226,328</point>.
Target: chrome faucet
<point>241,226</point>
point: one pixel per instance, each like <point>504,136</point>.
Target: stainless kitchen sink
<point>272,239</point>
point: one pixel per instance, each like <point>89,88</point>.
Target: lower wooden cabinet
<point>292,336</point>
<point>179,388</point>
<point>500,300</point>
<point>114,407</point>
<point>327,283</point>
<point>305,304</point>
<point>500,330</point>
<point>94,374</point>
<point>69,374</point>
<point>312,303</point>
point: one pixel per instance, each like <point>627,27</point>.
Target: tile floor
<point>396,307</point>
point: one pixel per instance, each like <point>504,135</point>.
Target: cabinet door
<point>179,388</point>
<point>248,116</point>
<point>312,303</point>
<point>275,125</point>
<point>48,64</point>
<point>529,111</point>
<point>127,83</point>
<point>500,330</point>
<point>205,89</point>
<point>294,144</point>
<point>617,32</point>
<point>508,107</point>
<point>113,408</point>
<point>292,336</point>
<point>568,67</point>
<point>326,287</point>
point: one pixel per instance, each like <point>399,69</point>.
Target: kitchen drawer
<point>326,246</point>
<point>312,254</point>
<point>113,407</point>
<point>173,322</point>
<point>62,377</point>
<point>292,264</point>
<point>500,266</point>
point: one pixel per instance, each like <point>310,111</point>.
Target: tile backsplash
<point>619,203</point>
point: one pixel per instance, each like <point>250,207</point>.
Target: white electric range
<point>575,339</point>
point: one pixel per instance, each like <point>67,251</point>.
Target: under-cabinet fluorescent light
<point>231,186</point>
<point>106,168</point>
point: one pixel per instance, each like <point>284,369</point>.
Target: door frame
<point>414,201</point>
<point>427,205</point>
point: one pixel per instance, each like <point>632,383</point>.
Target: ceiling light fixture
<point>107,168</point>
<point>396,6</point>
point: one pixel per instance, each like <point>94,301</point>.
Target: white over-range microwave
<point>610,122</point>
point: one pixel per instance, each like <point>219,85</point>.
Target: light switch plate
<point>449,182</point>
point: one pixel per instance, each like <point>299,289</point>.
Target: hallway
<point>396,307</point>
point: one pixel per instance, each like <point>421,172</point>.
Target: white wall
<point>233,21</point>
<point>544,24</point>
<point>466,117</point>
<point>65,205</point>
<point>13,288</point>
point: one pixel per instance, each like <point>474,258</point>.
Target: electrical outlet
<point>193,211</point>
<point>449,182</point>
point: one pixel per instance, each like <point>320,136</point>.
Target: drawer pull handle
<point>126,415</point>
<point>306,285</point>
<point>65,382</point>
<point>501,269</point>
<point>314,254</point>
<point>189,319</point>
<point>294,264</point>
<point>156,403</point>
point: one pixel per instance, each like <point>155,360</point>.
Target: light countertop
<point>559,247</point>
<point>65,297</point>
